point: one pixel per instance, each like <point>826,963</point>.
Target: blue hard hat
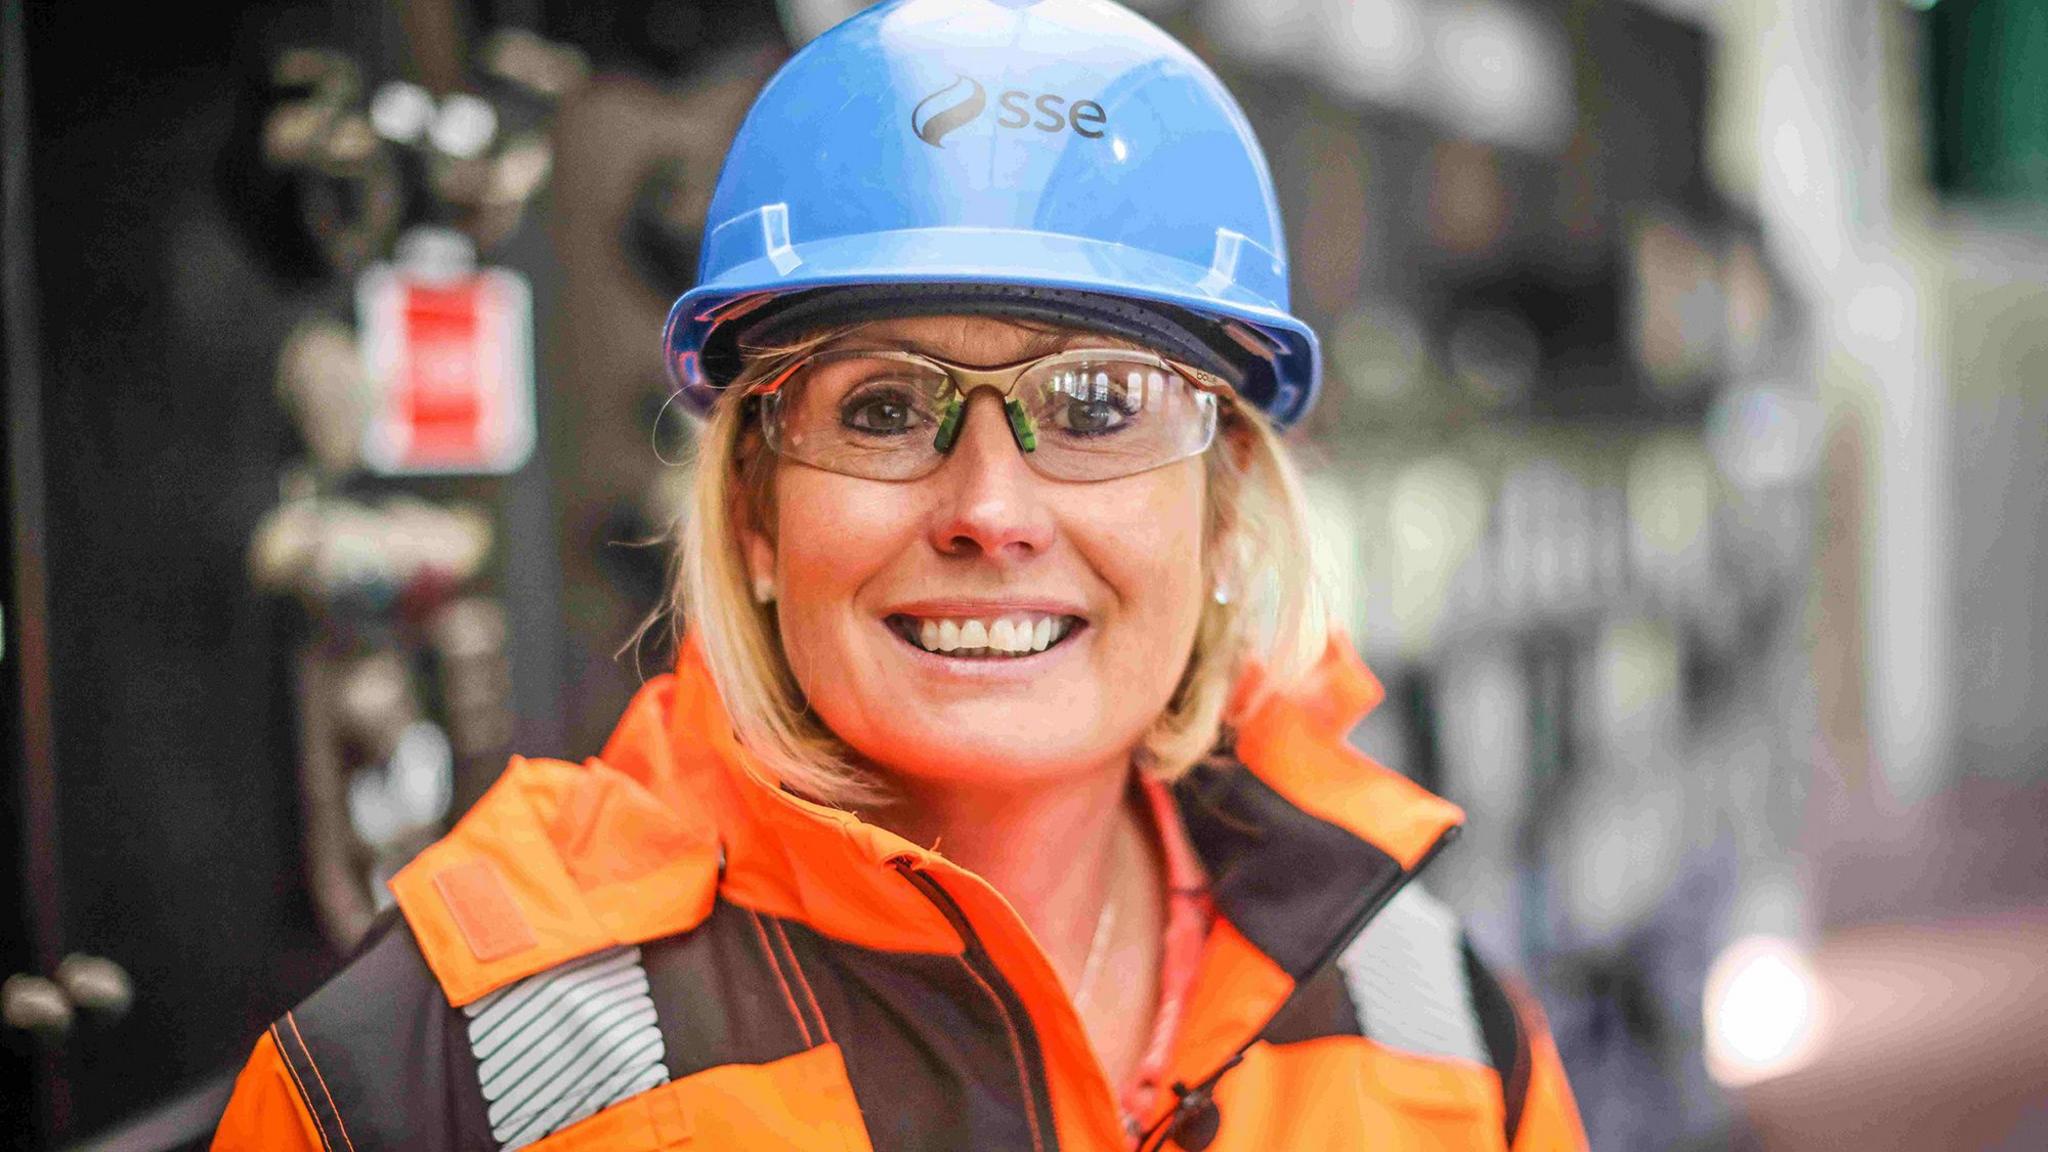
<point>1039,150</point>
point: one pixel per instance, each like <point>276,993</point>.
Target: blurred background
<point>1682,470</point>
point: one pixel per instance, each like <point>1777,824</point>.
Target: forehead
<point>976,340</point>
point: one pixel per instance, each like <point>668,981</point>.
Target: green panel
<point>1988,85</point>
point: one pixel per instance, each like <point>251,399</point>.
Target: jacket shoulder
<point>267,1112</point>
<point>379,1057</point>
<point>1421,986</point>
<point>555,862</point>
<point>1414,983</point>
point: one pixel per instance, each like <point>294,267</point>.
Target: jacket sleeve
<point>1536,1102</point>
<point>1550,1117</point>
<point>267,1112</point>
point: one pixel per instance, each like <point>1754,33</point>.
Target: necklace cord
<point>1091,967</point>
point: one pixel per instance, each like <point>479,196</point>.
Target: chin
<point>984,757</point>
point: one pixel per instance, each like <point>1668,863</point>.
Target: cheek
<point>832,536</point>
<point>1147,543</point>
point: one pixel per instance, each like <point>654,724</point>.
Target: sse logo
<point>960,103</point>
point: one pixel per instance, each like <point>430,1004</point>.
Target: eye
<point>880,412</point>
<point>1091,417</point>
<point>1096,403</point>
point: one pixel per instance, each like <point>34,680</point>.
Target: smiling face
<point>1094,589</point>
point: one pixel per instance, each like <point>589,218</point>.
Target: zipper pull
<point>1195,1118</point>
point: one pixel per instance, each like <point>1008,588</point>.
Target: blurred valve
<point>401,112</point>
<point>34,1004</point>
<point>96,984</point>
<point>326,549</point>
<point>1763,1011</point>
<point>464,126</point>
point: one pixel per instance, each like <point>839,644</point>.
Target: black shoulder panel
<point>1507,1042</point>
<point>719,991</point>
<point>385,1063</point>
<point>382,1058</point>
<point>923,1041</point>
<point>1320,1007</point>
<point>924,1044</point>
<point>1295,885</point>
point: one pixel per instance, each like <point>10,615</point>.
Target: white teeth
<point>1007,635</point>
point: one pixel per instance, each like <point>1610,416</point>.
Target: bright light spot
<point>1763,1011</point>
<point>1501,76</point>
<point>1121,149</point>
<point>401,111</point>
<point>1790,153</point>
<point>464,126</point>
<point>1372,49</point>
<point>1273,32</point>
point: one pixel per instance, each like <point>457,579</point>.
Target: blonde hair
<point>1256,547</point>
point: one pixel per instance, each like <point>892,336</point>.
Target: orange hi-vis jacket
<point>654,950</point>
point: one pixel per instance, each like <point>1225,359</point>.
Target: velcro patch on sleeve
<point>484,911</point>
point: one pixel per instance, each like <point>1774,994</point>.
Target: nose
<point>990,501</point>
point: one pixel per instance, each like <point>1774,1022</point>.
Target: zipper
<point>1196,1109</point>
<point>979,962</point>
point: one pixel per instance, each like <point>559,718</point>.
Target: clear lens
<point>869,416</point>
<point>1075,416</point>
<point>1103,417</point>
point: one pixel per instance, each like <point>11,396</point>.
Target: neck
<point>1055,853</point>
<point>1079,863</point>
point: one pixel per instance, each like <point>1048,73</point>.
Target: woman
<point>1000,797</point>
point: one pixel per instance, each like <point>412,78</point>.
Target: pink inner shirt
<point>1189,913</point>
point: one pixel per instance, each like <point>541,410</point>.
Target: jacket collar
<point>636,844</point>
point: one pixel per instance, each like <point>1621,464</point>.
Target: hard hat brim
<point>1283,386</point>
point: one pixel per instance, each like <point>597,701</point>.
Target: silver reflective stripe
<point>565,1044</point>
<point>1406,974</point>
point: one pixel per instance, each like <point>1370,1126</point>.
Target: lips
<point>1007,635</point>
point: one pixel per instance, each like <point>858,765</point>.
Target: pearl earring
<point>764,590</point>
<point>1221,593</point>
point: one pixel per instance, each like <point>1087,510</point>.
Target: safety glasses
<point>1081,415</point>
